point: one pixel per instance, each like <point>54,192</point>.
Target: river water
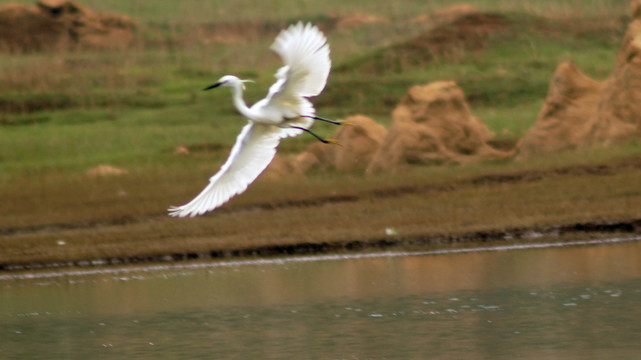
<point>538,302</point>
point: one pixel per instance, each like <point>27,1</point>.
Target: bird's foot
<point>333,142</point>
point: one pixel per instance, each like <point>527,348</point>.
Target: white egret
<point>284,112</point>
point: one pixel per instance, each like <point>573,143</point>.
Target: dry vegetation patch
<point>455,34</point>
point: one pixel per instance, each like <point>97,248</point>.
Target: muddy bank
<point>371,219</point>
<point>596,229</point>
<point>378,193</point>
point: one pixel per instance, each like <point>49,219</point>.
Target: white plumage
<point>284,112</point>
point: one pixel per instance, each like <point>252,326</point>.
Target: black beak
<point>213,86</point>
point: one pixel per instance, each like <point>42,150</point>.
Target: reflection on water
<point>562,303</point>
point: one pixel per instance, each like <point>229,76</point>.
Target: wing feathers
<point>305,52</point>
<point>254,149</point>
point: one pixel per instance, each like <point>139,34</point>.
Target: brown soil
<point>594,227</point>
<point>61,25</point>
<point>434,125</point>
<point>359,140</point>
<point>280,168</point>
<point>582,112</point>
<point>380,193</point>
<point>457,31</point>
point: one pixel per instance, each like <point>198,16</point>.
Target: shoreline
<point>70,271</point>
<point>561,233</point>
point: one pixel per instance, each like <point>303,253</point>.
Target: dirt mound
<point>280,168</point>
<point>61,24</point>
<point>456,32</point>
<point>24,28</point>
<point>566,119</point>
<point>433,125</point>
<point>580,112</point>
<point>359,140</point>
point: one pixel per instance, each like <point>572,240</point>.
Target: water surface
<point>579,302</point>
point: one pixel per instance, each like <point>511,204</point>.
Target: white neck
<point>237,95</point>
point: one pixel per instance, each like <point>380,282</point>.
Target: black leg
<point>312,133</point>
<point>322,119</point>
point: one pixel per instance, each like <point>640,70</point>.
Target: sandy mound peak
<point>359,140</point>
<point>433,125</point>
<point>580,112</point>
<point>565,121</point>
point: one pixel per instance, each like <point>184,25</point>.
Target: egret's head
<point>229,81</point>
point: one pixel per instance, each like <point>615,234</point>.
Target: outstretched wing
<point>254,149</point>
<point>305,52</point>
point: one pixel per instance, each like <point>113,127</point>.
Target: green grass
<point>193,11</point>
<point>74,110</point>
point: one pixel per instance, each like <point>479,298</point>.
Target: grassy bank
<point>63,113</point>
